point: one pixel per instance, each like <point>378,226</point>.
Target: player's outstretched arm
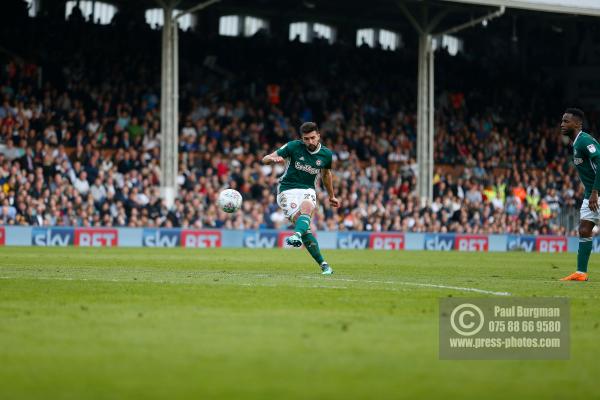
<point>272,158</point>
<point>328,183</point>
<point>593,200</point>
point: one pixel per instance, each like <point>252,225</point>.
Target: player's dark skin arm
<point>594,196</point>
<point>586,228</point>
<point>594,201</point>
<point>328,183</point>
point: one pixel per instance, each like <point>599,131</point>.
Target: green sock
<point>302,224</point>
<point>311,244</point>
<point>583,254</point>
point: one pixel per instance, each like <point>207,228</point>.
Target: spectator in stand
<point>103,134</point>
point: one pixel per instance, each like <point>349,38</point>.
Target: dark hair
<point>576,112</point>
<point>308,127</point>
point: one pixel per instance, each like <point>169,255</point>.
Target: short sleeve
<point>329,161</point>
<point>593,150</point>
<point>284,151</point>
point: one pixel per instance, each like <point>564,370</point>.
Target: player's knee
<point>307,207</point>
<point>585,232</point>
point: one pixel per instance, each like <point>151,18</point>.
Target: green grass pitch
<point>264,324</point>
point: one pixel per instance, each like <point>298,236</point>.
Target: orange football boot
<point>576,276</point>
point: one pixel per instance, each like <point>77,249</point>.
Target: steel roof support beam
<point>426,93</point>
<point>169,99</point>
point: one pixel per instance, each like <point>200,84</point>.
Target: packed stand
<point>83,148</point>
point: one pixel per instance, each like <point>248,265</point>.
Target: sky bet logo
<point>439,242</point>
<point>523,243</point>
<point>153,237</point>
<point>387,241</point>
<point>471,243</point>
<point>85,237</point>
<point>354,240</point>
<point>200,239</point>
<point>52,236</point>
<point>551,244</point>
<point>260,239</point>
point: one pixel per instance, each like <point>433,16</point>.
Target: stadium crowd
<point>83,149</point>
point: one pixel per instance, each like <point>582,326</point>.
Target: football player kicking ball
<point>305,161</point>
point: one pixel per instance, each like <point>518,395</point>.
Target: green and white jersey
<point>302,167</point>
<point>586,157</point>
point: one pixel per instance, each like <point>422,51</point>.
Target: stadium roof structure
<point>582,7</point>
<point>384,13</point>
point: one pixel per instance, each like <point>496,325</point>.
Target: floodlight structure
<point>425,86</point>
<point>169,98</point>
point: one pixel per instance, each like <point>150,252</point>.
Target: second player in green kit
<point>586,157</point>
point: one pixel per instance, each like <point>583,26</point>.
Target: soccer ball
<point>230,200</point>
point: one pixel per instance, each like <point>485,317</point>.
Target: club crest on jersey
<point>318,163</point>
<point>575,152</point>
<point>591,148</point>
<point>293,205</point>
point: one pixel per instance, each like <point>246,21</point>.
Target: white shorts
<point>290,200</point>
<point>587,214</point>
